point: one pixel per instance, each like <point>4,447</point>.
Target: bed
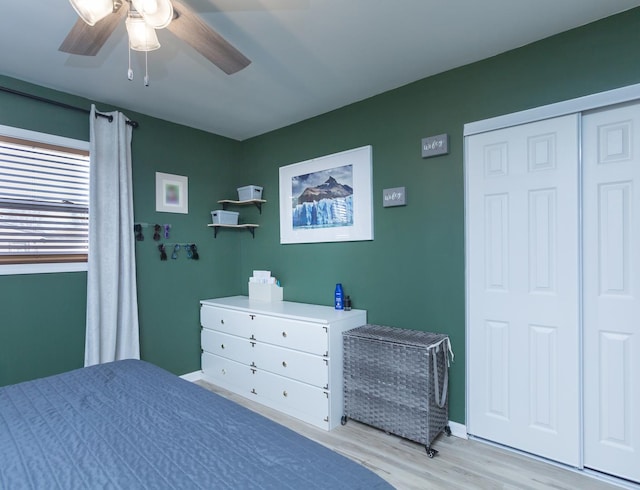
<point>129,424</point>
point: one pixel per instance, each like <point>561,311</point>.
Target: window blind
<point>44,202</point>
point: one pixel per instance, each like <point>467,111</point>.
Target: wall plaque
<point>395,196</point>
<point>435,145</point>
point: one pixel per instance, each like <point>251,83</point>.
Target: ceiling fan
<point>99,18</point>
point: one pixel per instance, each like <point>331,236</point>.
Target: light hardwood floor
<point>460,463</point>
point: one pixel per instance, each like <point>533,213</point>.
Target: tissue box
<point>220,217</point>
<point>249,192</point>
<point>265,292</point>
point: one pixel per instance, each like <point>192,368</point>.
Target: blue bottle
<point>339,297</point>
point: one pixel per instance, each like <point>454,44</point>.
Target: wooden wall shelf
<point>229,202</point>
<point>250,227</point>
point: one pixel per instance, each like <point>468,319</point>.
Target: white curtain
<point>112,305</point>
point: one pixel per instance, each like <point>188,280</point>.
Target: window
<point>44,200</point>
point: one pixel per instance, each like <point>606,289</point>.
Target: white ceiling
<point>308,56</point>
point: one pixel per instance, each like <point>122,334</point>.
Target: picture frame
<point>172,193</point>
<point>327,199</point>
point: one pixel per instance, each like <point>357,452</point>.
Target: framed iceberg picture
<point>327,199</point>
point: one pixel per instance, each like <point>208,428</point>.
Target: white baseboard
<point>194,376</point>
<point>458,430</point>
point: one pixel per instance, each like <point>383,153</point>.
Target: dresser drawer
<point>308,368</point>
<point>291,334</point>
<point>227,373</point>
<point>225,320</point>
<point>301,400</point>
<point>229,346</point>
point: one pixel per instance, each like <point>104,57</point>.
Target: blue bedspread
<point>130,424</point>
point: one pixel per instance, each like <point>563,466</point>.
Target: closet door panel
<point>612,291</point>
<point>522,287</point>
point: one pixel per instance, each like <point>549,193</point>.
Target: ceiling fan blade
<point>86,40</point>
<point>195,32</point>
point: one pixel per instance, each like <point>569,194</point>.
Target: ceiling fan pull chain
<point>146,69</point>
<point>130,71</point>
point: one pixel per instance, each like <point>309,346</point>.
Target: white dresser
<point>285,355</point>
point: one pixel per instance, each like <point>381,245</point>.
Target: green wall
<point>43,315</point>
<point>411,275</point>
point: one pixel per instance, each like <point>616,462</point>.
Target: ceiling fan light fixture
<point>142,37</point>
<point>92,11</point>
<point>157,13</point>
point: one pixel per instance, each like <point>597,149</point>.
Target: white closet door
<point>611,159</point>
<point>522,279</point>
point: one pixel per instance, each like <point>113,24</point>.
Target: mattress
<point>129,424</point>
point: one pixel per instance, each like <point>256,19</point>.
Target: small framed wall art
<point>172,193</point>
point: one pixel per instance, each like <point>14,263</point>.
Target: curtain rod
<point>133,124</point>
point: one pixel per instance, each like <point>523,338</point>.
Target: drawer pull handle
<point>284,363</point>
<point>224,371</point>
<point>222,346</point>
<point>284,393</point>
<point>284,334</point>
<point>222,321</point>
<point>253,390</point>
